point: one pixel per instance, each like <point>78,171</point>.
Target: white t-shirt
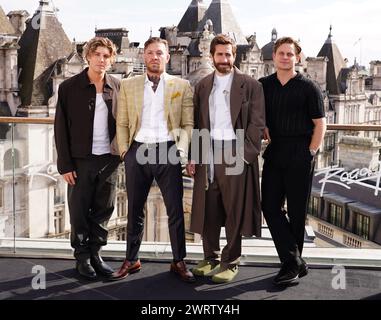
<point>101,138</point>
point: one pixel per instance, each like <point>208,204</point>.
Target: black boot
<point>85,269</point>
<point>100,266</point>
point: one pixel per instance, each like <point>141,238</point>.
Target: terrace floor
<point>155,282</point>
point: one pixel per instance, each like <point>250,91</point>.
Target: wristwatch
<point>313,152</point>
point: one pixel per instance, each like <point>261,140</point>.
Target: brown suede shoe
<point>126,269</point>
<point>180,268</point>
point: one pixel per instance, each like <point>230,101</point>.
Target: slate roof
<point>335,65</point>
<point>192,16</point>
<point>267,50</point>
<point>224,21</point>
<point>5,26</point>
<point>41,46</point>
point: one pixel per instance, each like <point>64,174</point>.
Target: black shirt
<point>291,108</point>
<point>289,113</point>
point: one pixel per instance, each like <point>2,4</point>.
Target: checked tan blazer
<point>178,111</point>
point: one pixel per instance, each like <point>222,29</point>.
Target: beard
<point>223,68</point>
<point>154,68</point>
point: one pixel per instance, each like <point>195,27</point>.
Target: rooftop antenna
<point>359,41</point>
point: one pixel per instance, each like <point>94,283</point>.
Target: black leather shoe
<point>303,269</point>
<point>85,269</point>
<point>100,266</point>
<point>289,273</point>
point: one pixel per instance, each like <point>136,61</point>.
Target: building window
<point>362,226</point>
<point>336,215</point>
<point>121,208</point>
<point>9,161</point>
<point>121,182</point>
<point>1,196</point>
<point>313,206</point>
<point>59,197</point>
<point>121,236</point>
<point>59,221</point>
<point>329,143</point>
<point>267,70</point>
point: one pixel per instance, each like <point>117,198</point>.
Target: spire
<point>192,16</point>
<point>334,65</point>
<point>274,35</point>
<point>267,50</point>
<point>224,21</point>
<point>74,46</point>
<point>46,7</point>
<point>41,45</point>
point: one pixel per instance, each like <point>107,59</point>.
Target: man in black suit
<point>88,157</point>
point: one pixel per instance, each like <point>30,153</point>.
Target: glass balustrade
<point>344,211</point>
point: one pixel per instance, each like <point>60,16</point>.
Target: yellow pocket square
<point>175,95</point>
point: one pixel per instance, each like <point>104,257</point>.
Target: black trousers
<point>139,179</point>
<point>91,203</point>
<point>290,180</point>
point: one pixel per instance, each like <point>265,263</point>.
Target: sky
<point>356,23</point>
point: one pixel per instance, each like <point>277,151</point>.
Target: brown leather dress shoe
<point>126,269</point>
<point>180,268</point>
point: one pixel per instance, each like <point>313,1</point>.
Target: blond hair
<point>96,42</point>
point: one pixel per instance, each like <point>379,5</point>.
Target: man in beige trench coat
<point>230,106</point>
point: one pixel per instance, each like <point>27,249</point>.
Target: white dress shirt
<point>153,127</point>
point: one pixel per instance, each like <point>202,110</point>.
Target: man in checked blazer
<point>154,124</point>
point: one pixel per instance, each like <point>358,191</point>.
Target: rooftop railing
<point>343,216</point>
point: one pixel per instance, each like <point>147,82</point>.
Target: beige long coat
<point>247,105</point>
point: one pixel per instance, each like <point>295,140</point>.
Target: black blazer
<point>74,120</point>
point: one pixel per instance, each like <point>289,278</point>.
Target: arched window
<point>8,161</point>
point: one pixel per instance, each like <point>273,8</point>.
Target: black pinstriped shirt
<point>291,108</point>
